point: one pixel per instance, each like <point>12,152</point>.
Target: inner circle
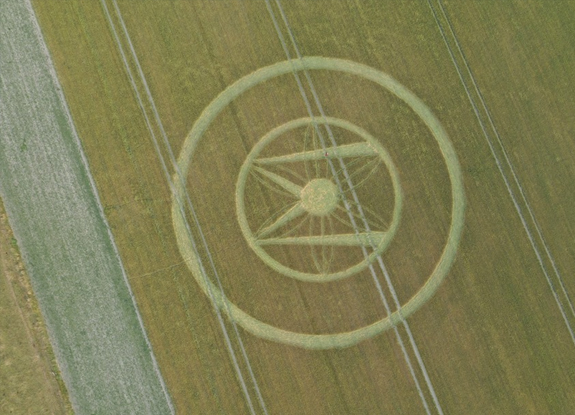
<point>319,197</point>
<point>376,242</point>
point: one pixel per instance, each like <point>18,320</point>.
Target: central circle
<point>319,197</point>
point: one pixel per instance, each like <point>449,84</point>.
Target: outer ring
<point>319,341</point>
<point>240,206</point>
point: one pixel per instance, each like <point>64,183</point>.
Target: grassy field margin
<point>30,381</point>
<point>98,336</point>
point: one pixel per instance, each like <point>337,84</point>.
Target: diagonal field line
<point>84,161</point>
<point>502,172</point>
<point>182,181</point>
<point>180,204</point>
<point>163,237</point>
<point>348,208</point>
<point>506,157</point>
<point>367,227</point>
<point>166,142</point>
<point>366,224</point>
<point>194,246</point>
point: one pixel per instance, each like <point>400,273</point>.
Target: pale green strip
<point>371,239</point>
<point>344,151</point>
<point>77,275</point>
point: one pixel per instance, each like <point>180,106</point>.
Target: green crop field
<point>336,207</point>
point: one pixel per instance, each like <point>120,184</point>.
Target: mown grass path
<point>97,333</point>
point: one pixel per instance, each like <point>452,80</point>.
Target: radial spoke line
<point>343,151</point>
<point>305,148</point>
<point>345,220</point>
<point>292,172</point>
<point>329,256</point>
<point>358,161</point>
<point>290,215</point>
<point>274,216</point>
<point>372,166</point>
<point>323,248</point>
<point>295,228</point>
<point>369,239</point>
<point>288,185</point>
<point>316,162</point>
<point>373,220</point>
<point>314,255</point>
<point>265,183</point>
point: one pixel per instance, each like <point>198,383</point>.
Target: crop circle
<point>319,197</point>
<point>305,340</point>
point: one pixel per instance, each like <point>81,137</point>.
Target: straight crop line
<point>350,214</point>
<point>170,183</point>
<point>500,167</point>
<point>182,181</point>
<point>167,174</point>
<point>366,225</point>
<point>85,164</point>
<point>151,210</point>
<point>179,201</point>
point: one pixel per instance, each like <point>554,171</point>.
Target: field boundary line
<point>348,208</point>
<point>46,358</point>
<point>500,166</point>
<point>182,211</point>
<point>151,210</point>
